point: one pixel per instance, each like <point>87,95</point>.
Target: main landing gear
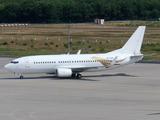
<point>76,75</point>
<point>79,76</point>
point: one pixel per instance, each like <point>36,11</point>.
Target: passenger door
<point>27,64</point>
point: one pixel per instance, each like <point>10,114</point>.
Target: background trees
<point>58,11</point>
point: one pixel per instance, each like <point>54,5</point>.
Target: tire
<point>21,77</point>
<point>79,76</point>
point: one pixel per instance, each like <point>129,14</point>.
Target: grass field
<point>90,38</point>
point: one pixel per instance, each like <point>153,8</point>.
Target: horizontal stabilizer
<point>137,55</point>
<point>150,54</point>
<point>141,55</point>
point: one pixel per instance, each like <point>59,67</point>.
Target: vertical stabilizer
<point>133,45</point>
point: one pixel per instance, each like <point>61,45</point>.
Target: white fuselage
<point>49,63</point>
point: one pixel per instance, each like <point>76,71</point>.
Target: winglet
<point>79,52</point>
<point>113,62</point>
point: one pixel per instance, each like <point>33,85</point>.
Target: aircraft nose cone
<point>6,67</point>
<point>9,67</point>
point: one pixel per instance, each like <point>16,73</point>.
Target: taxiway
<point>127,93</point>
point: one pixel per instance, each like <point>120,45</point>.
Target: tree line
<point>77,11</point>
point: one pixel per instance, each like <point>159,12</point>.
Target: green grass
<point>86,37</point>
<point>146,49</point>
<point>21,52</point>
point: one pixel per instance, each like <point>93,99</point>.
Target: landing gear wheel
<point>79,75</point>
<point>21,77</point>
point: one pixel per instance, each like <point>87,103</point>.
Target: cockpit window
<point>14,62</point>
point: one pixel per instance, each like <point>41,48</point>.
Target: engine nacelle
<point>62,72</point>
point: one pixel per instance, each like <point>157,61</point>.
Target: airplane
<point>71,65</point>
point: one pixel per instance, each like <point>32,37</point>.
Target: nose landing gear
<point>21,77</point>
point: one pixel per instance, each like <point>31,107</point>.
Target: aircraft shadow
<point>47,77</point>
<point>70,78</point>
<point>17,78</point>
<point>154,114</point>
<point>112,75</point>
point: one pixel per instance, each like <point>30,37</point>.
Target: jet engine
<point>62,72</point>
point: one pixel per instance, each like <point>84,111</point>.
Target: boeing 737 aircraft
<point>71,65</point>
